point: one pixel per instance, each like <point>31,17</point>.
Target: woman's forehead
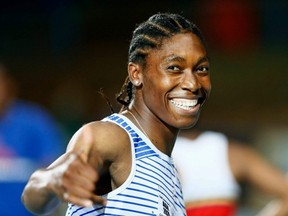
<point>179,46</point>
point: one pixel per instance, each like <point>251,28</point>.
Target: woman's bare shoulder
<point>104,138</point>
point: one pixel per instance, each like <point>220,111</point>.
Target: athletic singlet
<point>152,188</point>
<point>204,167</point>
<point>205,174</point>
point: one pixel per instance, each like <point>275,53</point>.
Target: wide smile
<point>185,104</point>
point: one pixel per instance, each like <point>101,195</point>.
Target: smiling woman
<point>168,82</point>
<point>175,82</point>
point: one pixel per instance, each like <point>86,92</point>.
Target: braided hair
<point>149,35</point>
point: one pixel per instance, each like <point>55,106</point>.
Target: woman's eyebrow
<point>174,58</point>
<point>181,59</point>
<point>203,59</point>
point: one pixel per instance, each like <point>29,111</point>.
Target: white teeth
<point>184,103</point>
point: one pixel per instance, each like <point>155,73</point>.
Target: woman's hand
<point>74,180</point>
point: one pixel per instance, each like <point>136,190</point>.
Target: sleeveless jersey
<point>204,167</point>
<point>152,188</point>
<point>205,173</point>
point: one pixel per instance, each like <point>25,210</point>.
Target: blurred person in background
<point>29,139</point>
<point>212,166</point>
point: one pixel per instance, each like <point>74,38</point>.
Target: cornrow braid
<point>125,96</point>
<point>149,35</point>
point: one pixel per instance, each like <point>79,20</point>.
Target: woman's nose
<point>190,82</point>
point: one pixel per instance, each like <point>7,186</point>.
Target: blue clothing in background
<point>29,139</point>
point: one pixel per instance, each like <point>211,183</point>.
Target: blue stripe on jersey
<point>122,210</point>
<point>164,189</point>
<point>155,180</point>
<point>78,209</point>
<point>143,185</point>
<point>145,153</point>
<point>111,214</point>
<point>138,144</point>
<point>156,171</point>
<point>133,189</point>
<point>152,188</point>
<point>129,210</point>
<point>167,167</point>
<point>135,197</point>
<point>143,148</point>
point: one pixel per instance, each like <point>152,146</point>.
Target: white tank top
<point>152,188</point>
<point>204,168</point>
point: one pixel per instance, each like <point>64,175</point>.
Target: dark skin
<point>178,76</point>
<point>169,93</point>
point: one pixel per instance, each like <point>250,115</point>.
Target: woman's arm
<point>71,178</point>
<point>249,166</point>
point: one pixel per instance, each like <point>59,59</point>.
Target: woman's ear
<point>135,73</point>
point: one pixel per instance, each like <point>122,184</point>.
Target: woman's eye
<point>203,69</point>
<point>174,68</point>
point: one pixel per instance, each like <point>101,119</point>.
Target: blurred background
<point>63,51</point>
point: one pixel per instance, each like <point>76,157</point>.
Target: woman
<point>168,82</point>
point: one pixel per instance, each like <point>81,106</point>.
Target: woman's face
<point>176,80</point>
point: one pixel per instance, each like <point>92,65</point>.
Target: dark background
<point>63,51</point>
